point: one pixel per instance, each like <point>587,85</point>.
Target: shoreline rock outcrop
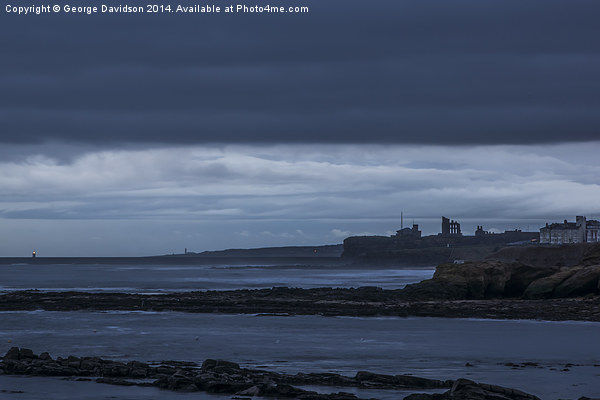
<point>225,377</point>
<point>502,278</point>
<point>430,299</point>
<point>213,376</point>
<point>465,389</point>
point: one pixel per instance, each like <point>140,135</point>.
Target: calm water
<point>430,347</point>
<point>142,278</point>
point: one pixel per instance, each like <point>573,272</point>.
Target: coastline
<point>177,260</point>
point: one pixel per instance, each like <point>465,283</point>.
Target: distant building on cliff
<point>450,228</point>
<point>410,246</point>
<point>412,233</point>
<point>580,231</point>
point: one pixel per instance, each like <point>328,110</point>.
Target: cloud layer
<point>243,196</point>
<point>430,72</point>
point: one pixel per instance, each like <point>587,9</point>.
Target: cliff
<point>564,256</point>
<point>532,273</point>
<point>429,250</point>
<point>429,256</point>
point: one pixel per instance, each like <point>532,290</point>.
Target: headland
<point>409,247</point>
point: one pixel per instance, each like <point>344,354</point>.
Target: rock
<point>114,369</point>
<point>521,276</point>
<point>425,396</point>
<point>333,396</point>
<point>12,354</point>
<point>423,383</point>
<point>495,279</point>
<point>26,354</point>
<point>432,289</point>
<point>165,370</point>
<point>219,365</point>
<point>137,365</point>
<point>89,364</point>
<point>223,386</point>
<point>592,255</point>
<point>138,373</point>
<point>363,376</point>
<point>251,391</point>
<point>162,382</point>
<point>474,277</point>
<point>582,282</point>
<point>218,376</point>
<point>190,388</point>
<point>543,288</point>
<point>180,382</point>
<point>283,390</point>
<point>491,278</point>
<point>402,380</point>
<point>568,282</point>
<point>464,389</point>
<point>15,353</point>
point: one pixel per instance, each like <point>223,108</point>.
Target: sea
<point>552,360</point>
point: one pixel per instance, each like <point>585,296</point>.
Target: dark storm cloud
<point>384,71</point>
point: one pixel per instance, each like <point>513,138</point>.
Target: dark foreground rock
<point>464,389</point>
<point>218,376</point>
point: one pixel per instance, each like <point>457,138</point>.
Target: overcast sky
<point>146,134</point>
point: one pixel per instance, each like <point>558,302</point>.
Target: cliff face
<point>429,256</point>
<point>563,256</point>
<point>515,278</point>
<point>428,250</point>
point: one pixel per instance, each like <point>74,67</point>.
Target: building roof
<point>564,225</point>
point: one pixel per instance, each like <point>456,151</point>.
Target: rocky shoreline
<point>489,289</point>
<point>520,284</point>
<point>360,302</point>
<point>225,377</point>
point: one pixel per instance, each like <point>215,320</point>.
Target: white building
<point>580,231</point>
<point>592,230</point>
